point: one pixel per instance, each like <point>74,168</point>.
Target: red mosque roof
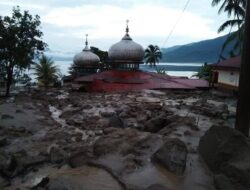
<point>109,81</point>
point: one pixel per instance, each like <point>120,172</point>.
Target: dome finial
<point>127,29</point>
<point>86,42</point>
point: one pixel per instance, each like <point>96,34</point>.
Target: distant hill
<point>199,52</point>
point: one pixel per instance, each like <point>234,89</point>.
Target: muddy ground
<point>59,139</point>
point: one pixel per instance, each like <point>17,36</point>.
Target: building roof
<point>86,58</point>
<point>113,81</point>
<point>126,50</point>
<point>228,64</point>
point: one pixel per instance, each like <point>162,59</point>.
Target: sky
<point>65,22</point>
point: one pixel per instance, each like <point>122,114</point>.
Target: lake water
<point>173,69</point>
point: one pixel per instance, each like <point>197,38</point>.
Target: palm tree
<point>46,71</point>
<point>237,9</point>
<point>152,55</point>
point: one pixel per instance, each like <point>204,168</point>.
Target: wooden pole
<point>243,107</point>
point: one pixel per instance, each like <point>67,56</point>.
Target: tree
<point>20,42</point>
<point>46,71</point>
<point>243,106</point>
<point>205,72</point>
<point>152,55</point>
<point>235,9</point>
<point>103,55</point>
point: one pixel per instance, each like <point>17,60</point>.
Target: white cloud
<point>107,21</point>
<point>65,22</point>
<point>23,5</point>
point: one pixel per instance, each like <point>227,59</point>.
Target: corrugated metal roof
<point>110,81</point>
<point>233,62</point>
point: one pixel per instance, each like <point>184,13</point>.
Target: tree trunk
<point>9,80</point>
<point>243,107</point>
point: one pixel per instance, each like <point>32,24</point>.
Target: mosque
<point>124,74</point>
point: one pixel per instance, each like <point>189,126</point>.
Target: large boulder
<point>227,152</point>
<point>172,155</point>
<point>157,123</point>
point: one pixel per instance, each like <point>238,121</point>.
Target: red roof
<point>109,81</point>
<point>231,63</point>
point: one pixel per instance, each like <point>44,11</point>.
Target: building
<point>86,62</point>
<point>126,55</point>
<point>226,73</point>
<point>125,58</point>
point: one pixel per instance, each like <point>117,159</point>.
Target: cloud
<point>105,21</point>
<point>65,22</point>
<point>23,5</point>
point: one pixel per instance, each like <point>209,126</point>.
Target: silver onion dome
<point>86,57</point>
<point>126,50</point>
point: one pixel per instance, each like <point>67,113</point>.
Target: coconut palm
<point>237,9</point>
<point>46,71</point>
<point>152,55</point>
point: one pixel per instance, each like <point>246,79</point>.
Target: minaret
<point>86,44</point>
<point>127,29</point>
<point>127,37</point>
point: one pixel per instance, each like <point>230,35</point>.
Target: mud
<point>70,140</point>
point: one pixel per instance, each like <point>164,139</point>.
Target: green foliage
<point>46,71</point>
<point>20,42</point>
<point>161,71</point>
<point>205,72</point>
<point>103,55</point>
<point>72,70</point>
<point>235,9</point>
<point>152,55</point>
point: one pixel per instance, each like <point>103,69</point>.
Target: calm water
<point>174,69</point>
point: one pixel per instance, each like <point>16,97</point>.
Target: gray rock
<point>116,121</point>
<point>227,152</point>
<point>42,183</point>
<point>57,155</point>
<point>156,124</point>
<point>3,141</point>
<point>107,113</point>
<point>222,183</point>
<point>6,116</point>
<point>172,155</point>
<point>4,182</point>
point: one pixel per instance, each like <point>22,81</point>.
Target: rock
<point>87,107</point>
<point>6,116</point>
<point>222,182</point>
<point>42,183</point>
<point>75,120</point>
<point>157,187</point>
<point>116,121</point>
<point>27,161</point>
<point>211,110</point>
<point>57,155</point>
<point>20,129</point>
<point>3,141</point>
<point>227,152</point>
<point>107,113</point>
<point>156,124</point>
<point>10,100</point>
<point>148,99</point>
<point>4,182</point>
<point>8,164</point>
<point>172,155</point>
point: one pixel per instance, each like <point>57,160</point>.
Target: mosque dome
<point>86,58</point>
<point>126,50</point>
